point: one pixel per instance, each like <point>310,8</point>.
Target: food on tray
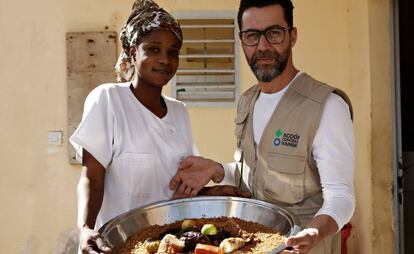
<point>209,229</point>
<point>204,236</point>
<point>231,244</point>
<point>152,245</point>
<point>188,224</point>
<point>207,249</point>
<point>170,244</point>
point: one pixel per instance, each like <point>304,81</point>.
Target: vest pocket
<point>285,177</point>
<point>240,122</point>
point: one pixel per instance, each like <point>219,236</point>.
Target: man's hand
<point>224,190</point>
<point>194,173</point>
<point>91,242</point>
<point>303,242</point>
<point>319,228</point>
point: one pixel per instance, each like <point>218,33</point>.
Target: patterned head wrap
<point>146,16</point>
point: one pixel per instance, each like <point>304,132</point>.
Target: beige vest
<point>283,170</point>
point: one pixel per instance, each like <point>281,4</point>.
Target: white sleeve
<point>333,151</point>
<point>229,170</point>
<point>95,132</point>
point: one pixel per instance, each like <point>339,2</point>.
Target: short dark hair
<point>286,5</point>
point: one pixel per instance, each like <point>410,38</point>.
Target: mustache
<point>266,73</point>
<point>264,54</point>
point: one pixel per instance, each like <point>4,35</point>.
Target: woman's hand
<point>90,195</point>
<point>91,242</point>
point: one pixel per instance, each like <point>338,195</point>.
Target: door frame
<point>397,138</point>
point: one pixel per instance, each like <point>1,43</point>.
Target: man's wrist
<point>218,175</point>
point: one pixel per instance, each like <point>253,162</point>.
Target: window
<point>208,74</point>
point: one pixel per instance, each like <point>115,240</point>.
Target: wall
<point>361,239</point>
<point>38,201</point>
<point>339,42</point>
<point>380,21</point>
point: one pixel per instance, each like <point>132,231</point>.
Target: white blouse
<point>140,151</point>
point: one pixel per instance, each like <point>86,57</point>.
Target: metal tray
<point>116,231</point>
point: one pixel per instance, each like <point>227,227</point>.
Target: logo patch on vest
<point>285,139</point>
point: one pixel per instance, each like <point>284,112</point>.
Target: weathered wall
<point>340,42</point>
<point>380,21</point>
<point>361,239</point>
<point>371,33</point>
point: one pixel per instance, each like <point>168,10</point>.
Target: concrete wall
<point>344,43</point>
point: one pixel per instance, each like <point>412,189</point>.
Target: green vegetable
<point>209,229</point>
<point>188,224</point>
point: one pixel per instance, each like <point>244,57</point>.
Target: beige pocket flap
<point>241,117</point>
<point>288,164</point>
<point>240,124</point>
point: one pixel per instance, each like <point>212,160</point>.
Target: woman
<point>131,137</point>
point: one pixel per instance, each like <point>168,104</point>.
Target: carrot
<point>207,249</point>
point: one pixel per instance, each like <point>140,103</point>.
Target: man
<point>295,143</point>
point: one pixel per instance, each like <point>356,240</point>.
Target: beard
<point>268,72</point>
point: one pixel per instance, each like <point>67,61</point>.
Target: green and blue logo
<point>277,141</point>
<point>285,139</point>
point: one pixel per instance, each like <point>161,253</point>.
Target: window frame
<point>213,15</point>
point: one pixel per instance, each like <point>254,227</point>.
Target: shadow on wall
<point>68,242</point>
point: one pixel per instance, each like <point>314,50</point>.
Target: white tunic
<point>140,151</point>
